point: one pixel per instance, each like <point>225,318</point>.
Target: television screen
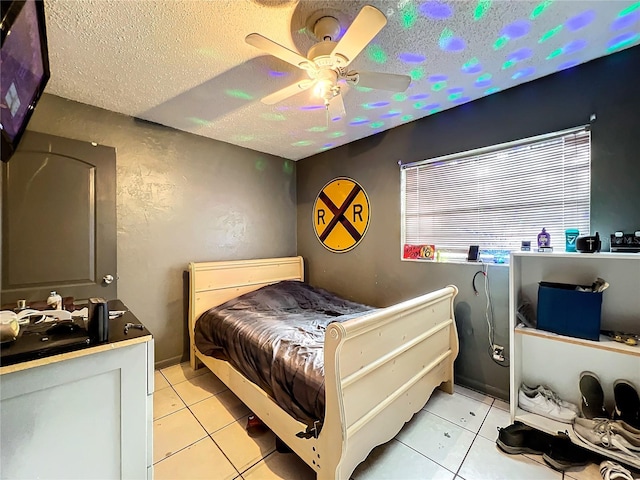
<point>24,68</point>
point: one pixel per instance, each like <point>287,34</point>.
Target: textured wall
<point>180,198</point>
<point>373,272</point>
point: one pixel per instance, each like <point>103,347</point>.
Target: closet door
<point>59,220</point>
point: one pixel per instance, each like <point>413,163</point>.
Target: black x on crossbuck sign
<point>341,214</point>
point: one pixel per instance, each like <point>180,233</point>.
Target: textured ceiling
<point>185,64</point>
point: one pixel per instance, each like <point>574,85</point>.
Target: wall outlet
<point>498,353</point>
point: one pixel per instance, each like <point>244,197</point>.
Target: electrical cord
<point>488,312</point>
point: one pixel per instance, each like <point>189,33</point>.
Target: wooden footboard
<point>380,368</point>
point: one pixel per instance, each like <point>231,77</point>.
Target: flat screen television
<point>24,68</point>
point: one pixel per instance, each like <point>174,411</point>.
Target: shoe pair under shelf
<point>627,401</point>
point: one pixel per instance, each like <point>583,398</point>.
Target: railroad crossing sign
<point>341,214</point>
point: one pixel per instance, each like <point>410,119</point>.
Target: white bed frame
<point>380,368</point>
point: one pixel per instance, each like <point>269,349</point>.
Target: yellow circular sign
<point>341,214</point>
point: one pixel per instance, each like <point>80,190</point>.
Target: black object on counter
<point>98,320</point>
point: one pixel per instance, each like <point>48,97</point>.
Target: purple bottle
<point>544,239</point>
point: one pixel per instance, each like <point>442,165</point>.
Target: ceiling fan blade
<point>365,26</point>
<point>277,50</point>
<point>382,81</point>
<point>287,92</point>
<point>336,108</point>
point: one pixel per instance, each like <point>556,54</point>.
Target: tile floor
<point>199,433</point>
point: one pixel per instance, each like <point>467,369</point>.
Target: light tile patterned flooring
<point>199,432</point>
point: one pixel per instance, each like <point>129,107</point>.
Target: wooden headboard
<point>213,283</point>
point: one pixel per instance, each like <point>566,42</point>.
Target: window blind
<point>498,196</point>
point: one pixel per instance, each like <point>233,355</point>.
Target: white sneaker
<point>546,405</point>
<point>610,470</point>
<point>551,395</point>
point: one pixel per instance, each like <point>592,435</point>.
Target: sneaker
<point>549,406</point>
<point>520,438</point>
<point>563,454</point>
<point>607,434</point>
<point>592,405</point>
<point>611,470</point>
<point>627,403</point>
<point>550,394</point>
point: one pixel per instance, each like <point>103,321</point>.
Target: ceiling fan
<point>327,61</point>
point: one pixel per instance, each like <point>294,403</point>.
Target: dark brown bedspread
<point>275,337</point>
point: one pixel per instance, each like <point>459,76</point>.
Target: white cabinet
<point>543,358</point>
<point>83,414</point>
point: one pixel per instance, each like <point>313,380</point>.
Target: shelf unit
<point>543,358</point>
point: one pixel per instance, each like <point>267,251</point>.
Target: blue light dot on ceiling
<point>412,58</point>
<point>327,145</point>
<point>482,83</point>
<point>391,114</point>
<point>432,106</point>
<point>569,64</point>
<point>379,104</point>
<point>523,73</point>
<point>476,68</point>
<point>419,96</point>
<point>581,20</point>
<point>574,46</point>
<point>520,55</point>
<point>462,100</point>
<point>626,20</point>
<point>274,73</point>
<point>359,121</point>
<point>622,41</point>
<point>312,107</point>
<point>517,29</point>
<point>335,119</point>
<point>437,78</point>
<point>453,44</point>
<point>456,90</point>
<point>436,10</point>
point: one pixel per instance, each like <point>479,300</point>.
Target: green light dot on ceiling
<point>243,138</point>
<point>624,43</point>
<point>418,105</point>
<point>366,106</point>
<point>445,36</point>
<point>302,143</point>
<point>508,64</point>
<point>417,73</point>
<point>238,94</point>
<point>376,53</point>
<point>316,129</point>
<point>481,9</point>
<point>555,53</point>
<point>438,86</point>
<point>406,118</point>
<point>629,9</point>
<point>394,112</point>
<point>434,110</point>
<point>198,121</point>
<point>277,117</point>
<point>501,42</point>
<point>484,77</point>
<point>470,64</point>
<point>376,124</point>
<point>540,8</point>
<point>363,89</point>
<point>408,16</point>
<point>399,97</point>
<point>551,33</point>
<point>454,96</point>
<point>287,167</point>
<point>336,134</point>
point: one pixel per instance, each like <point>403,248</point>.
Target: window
<point>496,197</point>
